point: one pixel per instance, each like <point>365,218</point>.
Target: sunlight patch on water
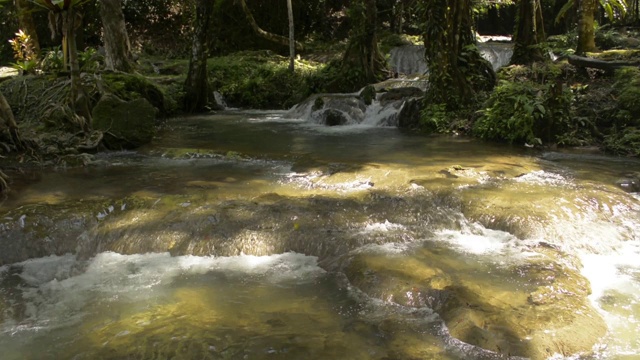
<point>478,240</point>
<point>615,283</point>
<point>544,178</point>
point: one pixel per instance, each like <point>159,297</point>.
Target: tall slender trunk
<point>116,39</point>
<point>586,32</point>
<point>25,19</point>
<point>292,44</point>
<point>196,86</point>
<point>71,21</point>
<point>398,16</point>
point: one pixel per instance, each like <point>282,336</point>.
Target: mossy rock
<point>131,87</point>
<point>127,124</point>
<point>368,94</point>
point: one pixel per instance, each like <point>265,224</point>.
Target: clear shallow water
<point>424,214</point>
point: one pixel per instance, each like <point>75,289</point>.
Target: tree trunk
<point>586,33</point>
<point>262,33</point>
<point>362,54</point>
<point>292,45</point>
<point>115,37</point>
<point>398,16</point>
<point>7,119</point>
<point>27,24</point>
<point>456,68</point>
<point>529,33</point>
<point>4,185</point>
<point>196,86</point>
<point>71,21</point>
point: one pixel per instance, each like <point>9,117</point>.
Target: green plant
<point>52,60</point>
<point>24,53</point>
<point>526,111</point>
<point>434,118</point>
<point>90,59</point>
<point>625,142</point>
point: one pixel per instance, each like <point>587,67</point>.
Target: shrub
<point>525,112</point>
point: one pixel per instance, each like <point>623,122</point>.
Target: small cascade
<point>351,109</point>
<point>497,53</point>
<point>392,95</point>
<point>409,59</point>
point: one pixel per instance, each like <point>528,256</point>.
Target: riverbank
<point>558,104</point>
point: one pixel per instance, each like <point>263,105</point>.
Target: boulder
<point>126,124</point>
<point>333,117</point>
<point>409,116</point>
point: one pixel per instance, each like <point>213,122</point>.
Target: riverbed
<point>249,235</point>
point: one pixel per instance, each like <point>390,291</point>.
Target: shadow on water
<point>389,216</point>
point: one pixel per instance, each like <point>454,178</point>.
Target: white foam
<point>478,240</point>
<point>542,177</point>
<point>615,288</point>
<point>386,226</point>
<point>57,292</point>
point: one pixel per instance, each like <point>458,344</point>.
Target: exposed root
<point>4,185</point>
<point>92,142</point>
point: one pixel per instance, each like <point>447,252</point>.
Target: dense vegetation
<point>175,54</point>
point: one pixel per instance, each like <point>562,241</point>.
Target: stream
<point>253,235</point>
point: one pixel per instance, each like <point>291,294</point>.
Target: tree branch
<point>265,34</point>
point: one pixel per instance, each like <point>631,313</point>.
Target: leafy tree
<point>362,61</point>
<point>457,71</point>
<point>586,19</point>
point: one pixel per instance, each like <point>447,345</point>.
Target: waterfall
<point>350,109</point>
<point>409,59</point>
<point>391,95</point>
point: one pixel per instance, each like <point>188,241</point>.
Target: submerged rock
<point>533,309</point>
<point>126,124</point>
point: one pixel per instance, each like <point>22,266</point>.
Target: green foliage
<point>625,142</point>
<point>525,111</point>
<point>624,135</point>
<point>261,80</point>
<point>90,60</point>
<point>435,118</point>
<point>53,60</point>
<point>614,9</point>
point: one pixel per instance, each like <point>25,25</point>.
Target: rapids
<point>250,235</point>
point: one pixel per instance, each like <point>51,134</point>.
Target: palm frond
<point>563,11</point>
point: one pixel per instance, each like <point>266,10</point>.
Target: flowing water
<point>409,59</point>
<point>248,235</point>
